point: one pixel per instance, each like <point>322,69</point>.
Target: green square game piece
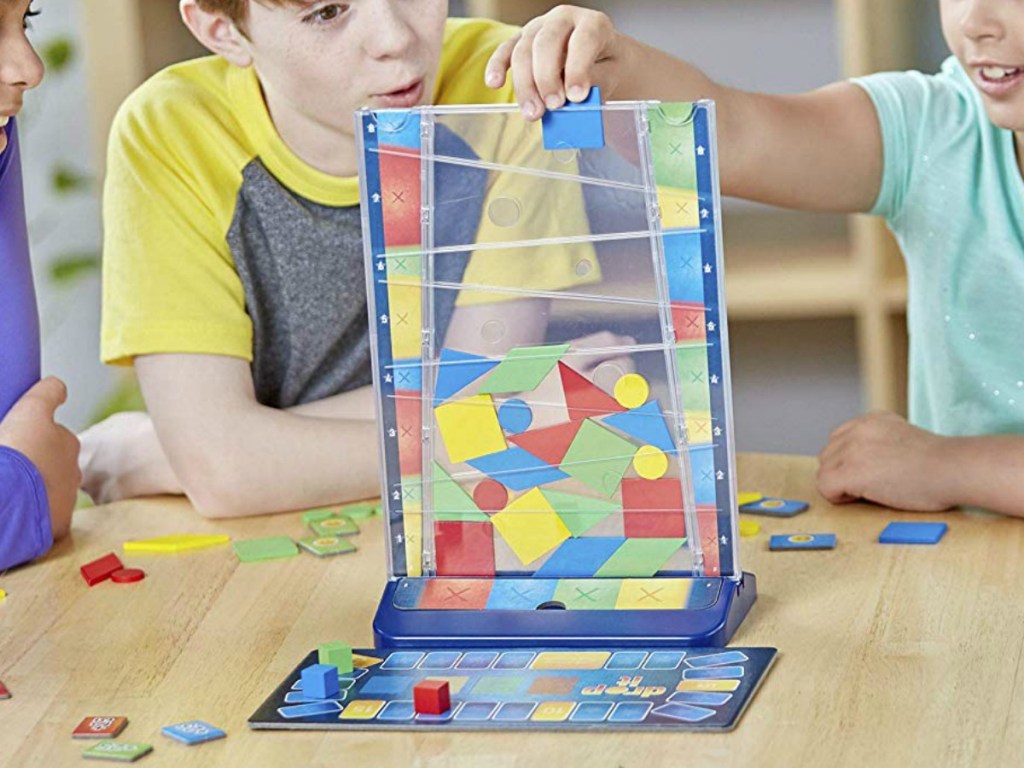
<point>587,594</point>
<point>336,654</point>
<point>322,546</point>
<point>359,511</point>
<point>121,751</point>
<point>598,458</point>
<point>270,548</point>
<point>335,525</point>
<point>311,516</point>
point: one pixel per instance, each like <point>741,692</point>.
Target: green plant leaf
<point>69,268</point>
<point>58,54</point>
<point>66,180</point>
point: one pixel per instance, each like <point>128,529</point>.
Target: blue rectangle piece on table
<point>913,533</point>
<point>786,541</point>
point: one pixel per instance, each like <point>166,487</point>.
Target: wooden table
<point>889,655</point>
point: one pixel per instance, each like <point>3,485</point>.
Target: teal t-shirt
<point>953,196</point>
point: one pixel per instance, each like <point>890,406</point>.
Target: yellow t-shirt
<point>219,239</point>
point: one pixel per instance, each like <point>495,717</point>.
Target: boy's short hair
<point>238,10</point>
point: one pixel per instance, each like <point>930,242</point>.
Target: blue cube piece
<point>913,533</point>
<point>575,125</point>
<point>193,732</point>
<point>320,681</point>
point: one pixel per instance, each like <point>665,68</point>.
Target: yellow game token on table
<point>3,595</point>
<point>184,542</point>
<point>749,498</point>
<point>749,528</point>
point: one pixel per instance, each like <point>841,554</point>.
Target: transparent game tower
<point>550,356</point>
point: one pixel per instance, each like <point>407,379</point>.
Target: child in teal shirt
<point>940,157</point>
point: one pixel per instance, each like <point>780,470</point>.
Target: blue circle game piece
<point>913,533</point>
<point>515,416</point>
<point>193,732</point>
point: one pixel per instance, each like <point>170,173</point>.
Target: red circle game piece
<point>490,496</point>
<point>128,575</point>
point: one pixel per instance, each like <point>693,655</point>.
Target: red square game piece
<point>100,570</point>
<point>101,727</point>
<point>431,697</point>
<point>653,509</point>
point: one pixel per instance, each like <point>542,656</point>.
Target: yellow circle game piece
<point>650,463</point>
<point>631,390</point>
<point>800,538</point>
<point>749,528</point>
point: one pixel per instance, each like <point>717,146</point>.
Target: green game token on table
<point>336,525</point>
<point>122,751</point>
<point>359,511</point>
<point>270,548</point>
<point>322,546</point>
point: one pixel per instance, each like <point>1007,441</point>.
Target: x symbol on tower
<point>580,592</point>
<point>458,594</point>
<point>675,149</point>
<point>652,595</point>
<point>398,197</point>
<point>406,431</point>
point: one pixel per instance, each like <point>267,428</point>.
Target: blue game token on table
<point>775,507</point>
<point>802,541</point>
<point>193,732</point>
<point>913,533</point>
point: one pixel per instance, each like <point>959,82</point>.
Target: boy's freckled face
<point>987,37</point>
<point>326,60</point>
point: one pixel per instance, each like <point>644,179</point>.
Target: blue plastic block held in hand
<point>575,125</point>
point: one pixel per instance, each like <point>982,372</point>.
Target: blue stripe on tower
<point>385,360</point>
<point>719,417</point>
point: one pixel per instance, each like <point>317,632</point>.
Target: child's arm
<point>817,151</point>
<point>38,475</point>
<point>235,457</point>
<point>882,458</point>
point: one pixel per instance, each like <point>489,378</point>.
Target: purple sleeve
<point>19,320</point>
<point>25,531</point>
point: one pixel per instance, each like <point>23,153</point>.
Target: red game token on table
<point>99,728</point>
<point>4,693</point>
<point>100,570</point>
<point>127,575</point>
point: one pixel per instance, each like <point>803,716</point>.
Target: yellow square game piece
<point>530,526</point>
<point>553,711</point>
<point>653,594</point>
<point>470,428</point>
<point>362,709</point>
<point>571,660</point>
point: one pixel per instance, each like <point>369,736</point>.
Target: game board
<point>550,354</point>
<point>545,689</point>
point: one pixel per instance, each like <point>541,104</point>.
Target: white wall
<point>55,132</point>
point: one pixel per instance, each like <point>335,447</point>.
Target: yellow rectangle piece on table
<point>571,660</point>
<point>553,711</point>
<point>183,542</point>
<point>530,526</point>
<point>653,594</point>
<point>405,305</point>
<point>725,686</point>
<point>680,208</point>
<point>470,428</point>
<point>364,709</point>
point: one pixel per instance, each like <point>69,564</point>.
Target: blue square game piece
<point>913,533</point>
<point>575,125</point>
<point>193,732</point>
<point>802,541</point>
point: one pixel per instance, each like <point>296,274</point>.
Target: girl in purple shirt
<point>39,474</point>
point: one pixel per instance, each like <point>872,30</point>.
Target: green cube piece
<point>336,654</point>
<point>269,548</point>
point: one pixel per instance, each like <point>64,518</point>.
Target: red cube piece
<point>100,570</point>
<point>431,697</point>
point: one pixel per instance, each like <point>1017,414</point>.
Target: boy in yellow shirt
<point>233,261</point>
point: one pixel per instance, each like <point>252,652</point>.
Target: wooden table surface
<point>889,655</point>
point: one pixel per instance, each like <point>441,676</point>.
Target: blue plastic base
<point>713,625</point>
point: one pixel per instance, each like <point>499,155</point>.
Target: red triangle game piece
<point>549,443</point>
<point>583,399</point>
